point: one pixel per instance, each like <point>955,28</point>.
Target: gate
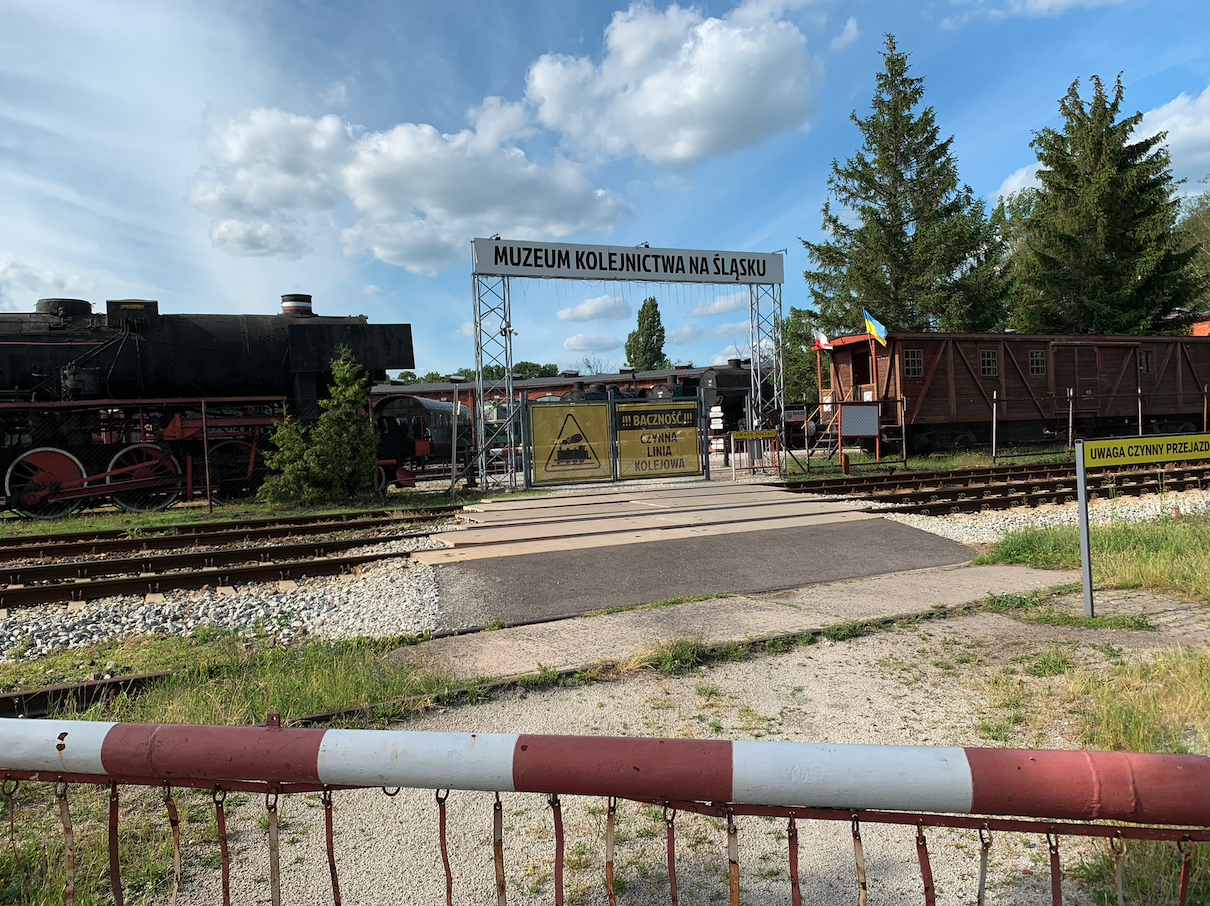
<point>613,440</point>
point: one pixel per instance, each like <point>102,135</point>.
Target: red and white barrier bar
<point>1117,786</point>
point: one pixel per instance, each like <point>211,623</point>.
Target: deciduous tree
<point>645,344</point>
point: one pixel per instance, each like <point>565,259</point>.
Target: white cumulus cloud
<point>1025,178</point>
<point>723,305</point>
<point>847,36</point>
<point>21,284</point>
<point>1187,122</point>
<point>676,87</point>
<point>372,290</point>
<point>729,352</point>
<point>602,308</point>
<point>692,333</point>
<point>421,194</point>
<point>590,342</point>
<point>465,329</point>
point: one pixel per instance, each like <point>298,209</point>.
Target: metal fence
<point>1115,796</point>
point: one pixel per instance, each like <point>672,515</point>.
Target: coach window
<point>913,363</point>
<point>990,360</point>
<point>1145,361</point>
<point>1037,361</point>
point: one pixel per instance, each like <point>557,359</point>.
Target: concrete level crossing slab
<point>576,643</point>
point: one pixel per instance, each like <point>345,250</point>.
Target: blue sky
<point>216,155</point>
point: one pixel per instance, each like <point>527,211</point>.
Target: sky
<point>217,155</point>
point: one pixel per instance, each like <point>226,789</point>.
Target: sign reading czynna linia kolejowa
<point>511,258</point>
<point>657,439</point>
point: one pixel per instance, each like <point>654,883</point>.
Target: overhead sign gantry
<point>497,261</point>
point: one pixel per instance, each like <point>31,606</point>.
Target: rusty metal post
<point>1056,873</point>
<point>1186,849</point>
<point>985,842</point>
<point>498,850</point>
<point>174,822</point>
<point>610,820</point>
<point>926,869</point>
<point>792,839</point>
<point>10,793</point>
<point>69,846</point>
<point>445,849</point>
<point>115,863</point>
<point>670,828</point>
<point>1118,847</point>
<point>220,822</point>
<point>733,857</point>
<point>859,856</point>
<point>274,850</point>
<point>326,798</point>
<point>1205,408</point>
<point>557,812</point>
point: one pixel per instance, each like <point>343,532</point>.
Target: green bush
<point>334,460</point>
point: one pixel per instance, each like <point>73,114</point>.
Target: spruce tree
<point>1102,252</point>
<point>906,241</point>
<point>645,344</point>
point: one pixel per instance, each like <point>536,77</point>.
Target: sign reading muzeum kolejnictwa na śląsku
<point>511,258</point>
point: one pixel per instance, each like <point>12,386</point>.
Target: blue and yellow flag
<point>873,328</point>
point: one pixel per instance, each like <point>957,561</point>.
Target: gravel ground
<point>990,527</point>
<point>882,689</point>
<point>391,597</point>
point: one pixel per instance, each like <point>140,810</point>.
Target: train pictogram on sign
<point>571,450</point>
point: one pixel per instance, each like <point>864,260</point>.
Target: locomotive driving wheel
<point>34,477</point>
<point>236,470</point>
<point>156,471</point>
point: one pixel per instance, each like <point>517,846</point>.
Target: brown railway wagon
<point>954,380</point>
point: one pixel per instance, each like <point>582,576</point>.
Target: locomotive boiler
<point>135,406</point>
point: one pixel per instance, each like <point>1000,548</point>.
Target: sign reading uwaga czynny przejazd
<point>657,439</point>
<point>1123,452</point>
<point>510,258</point>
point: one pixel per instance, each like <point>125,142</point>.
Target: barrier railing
<point>1114,795</point>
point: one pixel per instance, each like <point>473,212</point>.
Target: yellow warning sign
<point>570,442</point>
<point>1140,451</point>
<point>656,440</point>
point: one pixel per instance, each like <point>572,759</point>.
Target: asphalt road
<point>561,583</point>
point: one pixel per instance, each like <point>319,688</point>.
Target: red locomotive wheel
<point>34,477</point>
<point>145,463</point>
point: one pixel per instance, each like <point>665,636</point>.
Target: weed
<point>546,676</point>
<point>842,632</point>
<point>1050,663</point>
<point>707,690</point>
<point>677,656</point>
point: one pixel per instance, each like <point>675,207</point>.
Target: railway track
<point>976,490</point>
<point>206,535</point>
<point>49,569</point>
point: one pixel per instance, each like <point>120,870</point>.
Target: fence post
<point>995,413</point>
<point>1140,412</point>
<point>206,453</point>
<point>1205,423</point>
<point>1071,419</point>
<point>903,422</point>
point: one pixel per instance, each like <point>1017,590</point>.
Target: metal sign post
<point>1085,541</point>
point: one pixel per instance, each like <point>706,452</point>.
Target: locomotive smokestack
<point>297,305</point>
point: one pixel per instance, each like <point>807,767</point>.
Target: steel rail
<point>170,542</point>
<point>197,528</point>
<point>91,569</point>
<point>89,589</point>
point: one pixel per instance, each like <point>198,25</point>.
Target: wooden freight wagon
<point>948,384</point>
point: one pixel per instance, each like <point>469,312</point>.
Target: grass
<point>1030,608</point>
<point>293,681</point>
<point>1161,705</point>
<point>1168,554</point>
<point>865,463</point>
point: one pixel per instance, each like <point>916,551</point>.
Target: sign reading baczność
<point>658,439</point>
<point>512,258</point>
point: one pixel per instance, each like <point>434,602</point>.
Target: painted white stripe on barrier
<point>34,745</point>
<point>461,761</point>
<point>904,778</point>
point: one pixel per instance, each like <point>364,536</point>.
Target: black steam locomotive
<point>142,409</point>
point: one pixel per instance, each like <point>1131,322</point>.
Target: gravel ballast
<point>387,598</point>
